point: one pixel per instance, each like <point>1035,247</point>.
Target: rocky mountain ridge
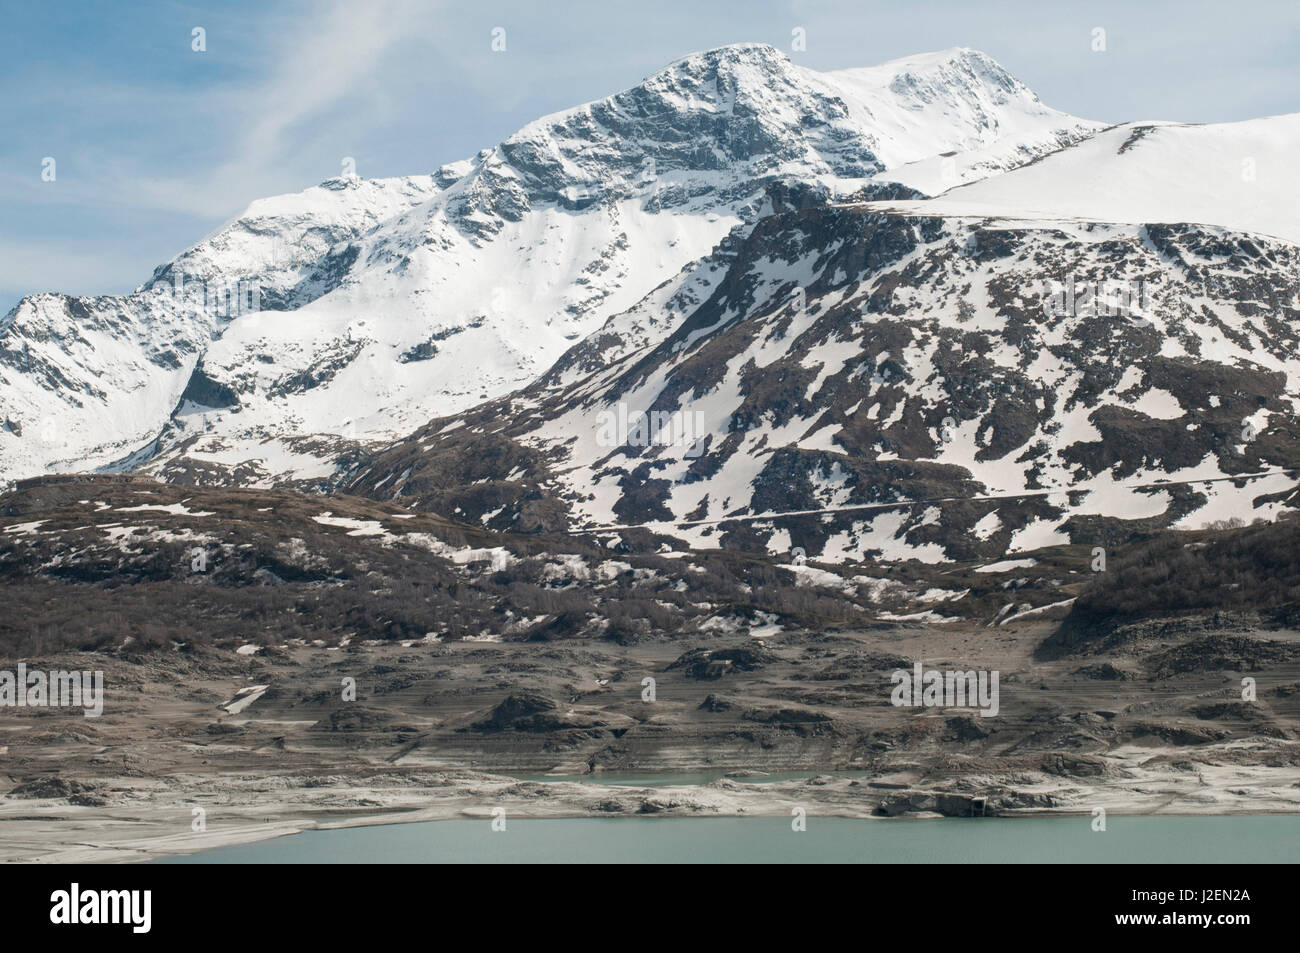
<point>382,303</point>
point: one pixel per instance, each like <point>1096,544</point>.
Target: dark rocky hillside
<point>851,358</point>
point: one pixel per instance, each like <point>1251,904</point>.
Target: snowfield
<point>1236,175</point>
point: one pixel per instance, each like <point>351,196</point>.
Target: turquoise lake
<point>1067,840</point>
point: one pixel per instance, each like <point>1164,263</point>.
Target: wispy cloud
<point>326,59</point>
<point>320,67</point>
<point>157,145</point>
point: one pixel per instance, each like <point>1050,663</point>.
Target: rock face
<point>517,711</point>
<point>360,308</point>
<point>1024,383</point>
<point>996,803</point>
<point>711,665</point>
<point>50,788</point>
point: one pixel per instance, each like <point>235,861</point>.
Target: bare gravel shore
<point>152,820</point>
<point>263,744</point>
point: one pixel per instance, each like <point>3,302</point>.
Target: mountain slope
<point>1005,124</point>
<point>85,380</point>
<point>386,303</point>
<point>1237,175</point>
<point>850,360</point>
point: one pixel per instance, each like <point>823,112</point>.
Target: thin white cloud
<point>325,58</point>
<point>320,68</point>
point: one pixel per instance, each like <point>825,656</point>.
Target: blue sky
<point>156,144</point>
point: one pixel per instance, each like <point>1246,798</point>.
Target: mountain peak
<point>572,220</point>
<point>728,55</point>
<point>963,63</point>
<point>958,71</point>
<point>955,56</point>
<point>723,74</point>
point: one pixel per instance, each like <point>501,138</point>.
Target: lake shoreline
<point>551,730</point>
<point>147,822</point>
<point>1040,838</point>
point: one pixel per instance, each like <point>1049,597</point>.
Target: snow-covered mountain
<point>1016,383</point>
<point>1100,342</point>
<point>742,304</point>
<point>387,302</point>
<point>85,380</point>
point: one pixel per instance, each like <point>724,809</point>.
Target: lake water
<point>1070,840</point>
